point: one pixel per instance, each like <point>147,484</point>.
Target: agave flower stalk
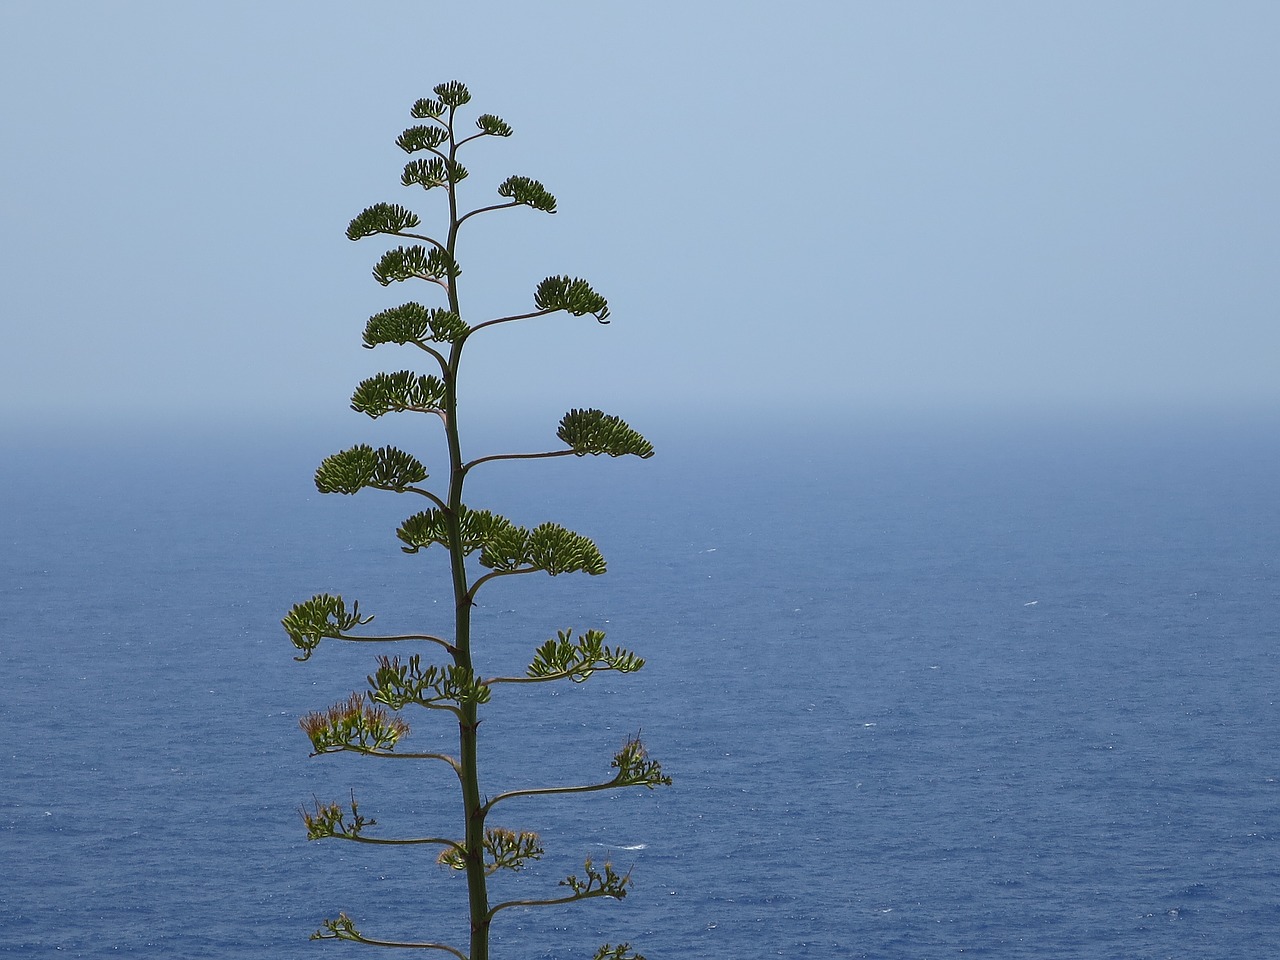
<point>482,546</point>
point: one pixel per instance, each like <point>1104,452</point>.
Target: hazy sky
<point>845,205</point>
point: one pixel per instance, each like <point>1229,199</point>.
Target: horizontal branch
<point>571,898</point>
<point>634,769</point>
<point>438,841</point>
<point>418,946</point>
<point>456,711</point>
<point>344,929</point>
<point>471,594</point>
<point>427,493</point>
<point>490,681</point>
<point>417,236</point>
<point>522,316</point>
<point>496,206</point>
<point>409,636</point>
<point>474,136</point>
<point>548,791</point>
<point>515,456</point>
<point>443,757</point>
<point>562,675</point>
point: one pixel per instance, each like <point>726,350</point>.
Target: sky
<point>843,208</point>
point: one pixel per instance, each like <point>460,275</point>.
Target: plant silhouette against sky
<point>482,547</point>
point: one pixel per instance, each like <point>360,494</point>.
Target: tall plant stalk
<point>482,547</point>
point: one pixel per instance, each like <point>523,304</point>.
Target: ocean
<point>925,691</point>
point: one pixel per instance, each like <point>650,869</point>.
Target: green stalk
<point>468,724</point>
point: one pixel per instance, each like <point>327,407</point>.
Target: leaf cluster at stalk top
<point>432,173</point>
<point>596,432</point>
<point>431,526</point>
<point>503,545</point>
<point>324,615</point>
<point>571,294</point>
<point>354,724</point>
<point>425,109</point>
<point>396,392</point>
<point>494,126</point>
<point>562,657</point>
<point>422,138</point>
<point>414,323</point>
<point>330,820</point>
<point>381,218</point>
<point>636,768</point>
<point>548,547</point>
<point>528,192</point>
<point>452,93</point>
<point>398,683</point>
<point>504,849</point>
<point>386,468</point>
<point>415,262</point>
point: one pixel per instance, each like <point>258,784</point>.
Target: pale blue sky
<point>852,206</point>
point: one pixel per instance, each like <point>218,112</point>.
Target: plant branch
<point>344,929</point>
<point>571,898</point>
<point>444,364</point>
<point>471,594</point>
<point>548,791</point>
<point>368,752</point>
<point>496,206</point>
<point>553,676</point>
<point>522,316</point>
<point>418,946</point>
<point>607,884</point>
<point>515,456</point>
<point>427,493</point>
<point>438,841</point>
<point>408,636</point>
<point>456,711</point>
<point>634,766</point>
<point>418,236</point>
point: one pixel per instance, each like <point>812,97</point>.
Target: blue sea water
<point>925,692</point>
